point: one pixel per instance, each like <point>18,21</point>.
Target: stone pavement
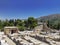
<point>9,41</point>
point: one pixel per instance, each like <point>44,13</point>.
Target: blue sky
<point>13,9</point>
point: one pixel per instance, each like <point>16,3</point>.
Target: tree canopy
<point>30,23</point>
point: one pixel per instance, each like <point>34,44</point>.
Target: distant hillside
<point>53,21</point>
<point>50,17</point>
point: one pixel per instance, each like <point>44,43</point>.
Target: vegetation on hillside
<point>52,21</point>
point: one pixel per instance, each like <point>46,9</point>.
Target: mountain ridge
<point>49,17</point>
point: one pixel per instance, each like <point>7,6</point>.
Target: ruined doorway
<point>12,31</point>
